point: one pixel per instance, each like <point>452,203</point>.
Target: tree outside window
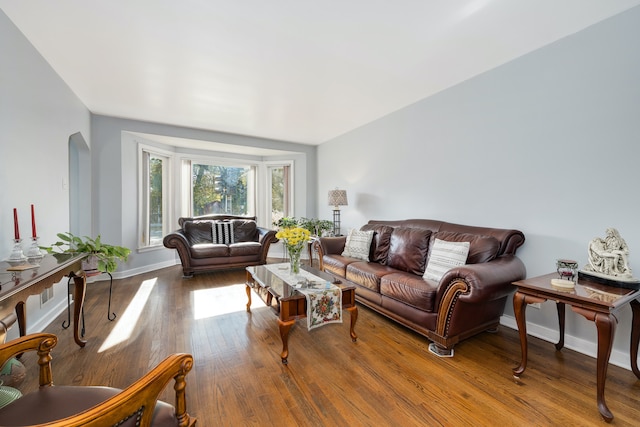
<point>219,189</point>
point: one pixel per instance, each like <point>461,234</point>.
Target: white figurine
<point>609,256</point>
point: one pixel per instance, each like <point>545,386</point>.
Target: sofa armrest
<point>485,281</point>
<point>331,245</point>
<point>266,237</point>
<point>328,246</point>
<point>178,240</point>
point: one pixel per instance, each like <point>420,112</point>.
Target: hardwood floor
<point>387,378</point>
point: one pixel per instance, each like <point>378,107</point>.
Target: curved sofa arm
<point>266,237</point>
<point>328,246</point>
<point>483,282</point>
<point>178,240</point>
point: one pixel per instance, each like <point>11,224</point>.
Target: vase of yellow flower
<point>294,239</point>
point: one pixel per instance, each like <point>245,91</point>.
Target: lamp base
<point>336,222</point>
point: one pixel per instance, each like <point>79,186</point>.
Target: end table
<point>596,302</point>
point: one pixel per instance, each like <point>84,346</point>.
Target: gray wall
<point>548,144</point>
<point>38,116</point>
<point>114,159</point>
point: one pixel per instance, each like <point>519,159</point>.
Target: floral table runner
<point>324,299</point>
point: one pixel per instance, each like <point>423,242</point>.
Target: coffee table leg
<point>284,335</point>
<point>248,289</point>
<point>353,312</point>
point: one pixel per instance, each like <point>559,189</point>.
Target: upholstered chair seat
<point>70,406</point>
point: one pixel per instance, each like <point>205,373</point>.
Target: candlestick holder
<point>34,254</point>
<point>17,256</point>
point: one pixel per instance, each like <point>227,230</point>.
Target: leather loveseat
<point>216,242</point>
<point>468,299</point>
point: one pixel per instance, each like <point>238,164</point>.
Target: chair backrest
<point>135,405</point>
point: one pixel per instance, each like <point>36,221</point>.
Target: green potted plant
<point>101,257</point>
<point>316,227</point>
<point>286,222</point>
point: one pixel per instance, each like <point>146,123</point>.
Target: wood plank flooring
<point>387,378</point>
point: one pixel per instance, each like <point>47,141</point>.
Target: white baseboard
<point>134,271</point>
<point>586,347</point>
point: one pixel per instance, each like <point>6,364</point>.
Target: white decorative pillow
<point>358,244</point>
<point>222,232</point>
<point>444,256</point>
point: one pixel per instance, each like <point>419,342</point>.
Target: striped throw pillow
<point>358,244</point>
<point>222,232</point>
<point>445,256</point>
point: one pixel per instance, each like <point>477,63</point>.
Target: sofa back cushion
<point>380,243</point>
<point>408,249</point>
<point>197,232</point>
<point>245,230</point>
<point>481,248</point>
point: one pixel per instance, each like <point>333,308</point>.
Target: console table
<point>596,302</point>
<point>17,286</point>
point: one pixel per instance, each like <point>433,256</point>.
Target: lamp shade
<point>338,198</point>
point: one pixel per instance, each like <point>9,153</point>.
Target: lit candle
<point>16,229</point>
<point>34,234</point>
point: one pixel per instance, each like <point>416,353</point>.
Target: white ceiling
<point>295,70</point>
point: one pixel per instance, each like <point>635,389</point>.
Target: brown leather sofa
<point>467,300</point>
<point>198,251</point>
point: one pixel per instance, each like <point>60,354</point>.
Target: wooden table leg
<point>560,307</point>
<point>519,307</point>
<point>21,314</point>
<point>635,336</point>
<point>606,325</point>
<point>248,289</point>
<point>520,302</point>
<point>285,327</point>
<point>80,287</point>
<point>353,312</point>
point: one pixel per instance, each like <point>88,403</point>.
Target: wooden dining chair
<point>70,406</point>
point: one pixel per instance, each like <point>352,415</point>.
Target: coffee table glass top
<point>283,290</point>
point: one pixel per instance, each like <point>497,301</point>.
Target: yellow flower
<point>295,237</point>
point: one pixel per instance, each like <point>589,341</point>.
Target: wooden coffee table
<point>596,302</point>
<point>289,304</point>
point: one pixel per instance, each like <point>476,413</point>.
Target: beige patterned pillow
<point>358,244</point>
<point>444,256</point>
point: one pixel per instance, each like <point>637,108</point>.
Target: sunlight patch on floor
<point>223,300</point>
<point>129,319</point>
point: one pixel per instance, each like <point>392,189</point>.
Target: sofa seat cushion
<point>481,248</point>
<point>368,274</point>
<point>410,289</point>
<point>245,249</point>
<point>209,250</point>
<point>408,249</point>
<point>337,264</point>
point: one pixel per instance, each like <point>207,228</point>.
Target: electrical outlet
<point>534,305</point>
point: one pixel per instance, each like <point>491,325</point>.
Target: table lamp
<point>337,198</point>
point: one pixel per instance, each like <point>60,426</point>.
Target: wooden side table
<point>596,302</point>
